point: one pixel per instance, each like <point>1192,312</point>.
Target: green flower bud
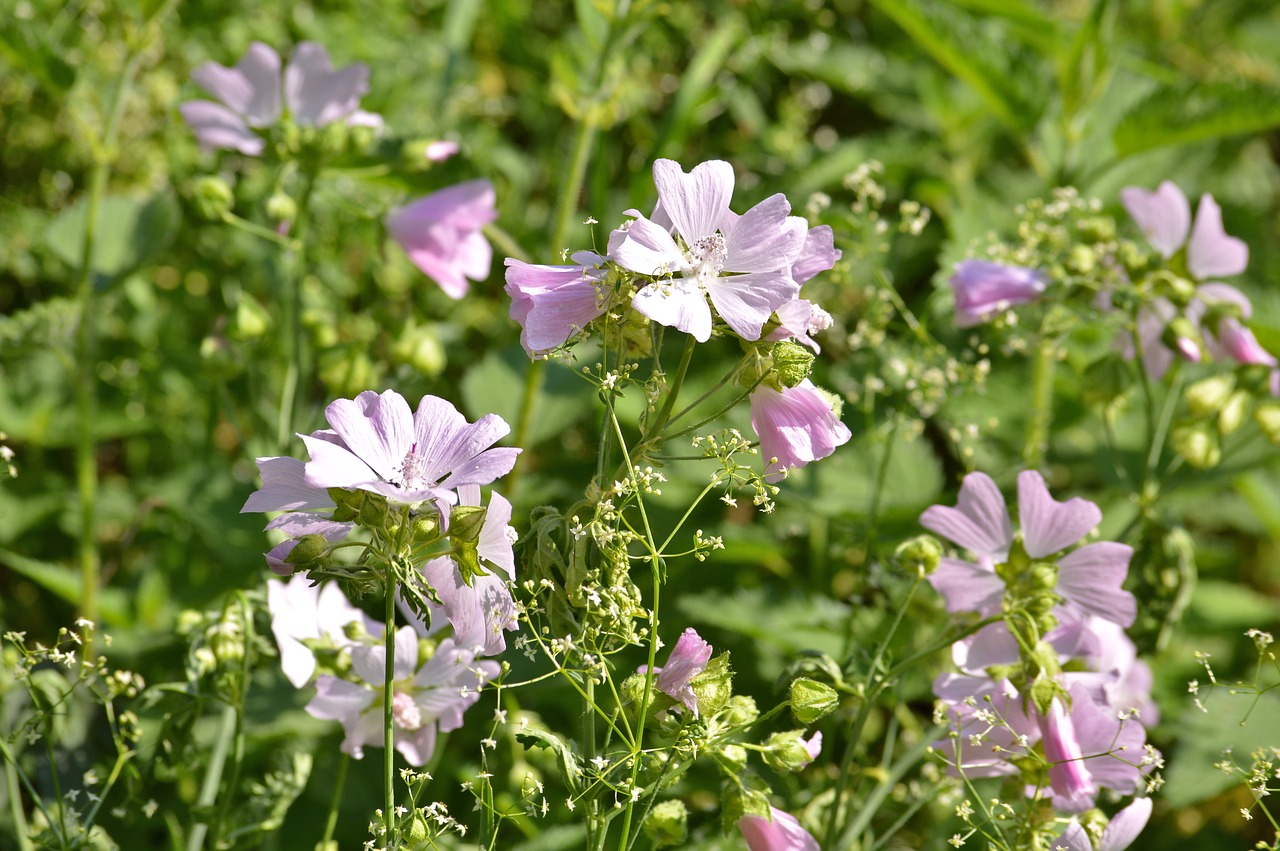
<point>467,559</point>
<point>1267,414</point>
<point>426,527</point>
<point>920,555</point>
<point>811,700</point>
<point>1232,413</point>
<point>787,751</point>
<point>281,208</point>
<point>1177,289</point>
<point>732,758</point>
<point>1081,259</point>
<point>667,824</point>
<point>290,138</point>
<point>250,321</point>
<point>465,523</point>
<point>420,348</point>
<point>1197,444</point>
<point>792,361</point>
<point>212,196</point>
<point>417,832</point>
<point>373,511</point>
<point>740,711</point>
<point>714,686</point>
<point>1208,395</point>
<point>1133,257</point>
<point>226,640</point>
<point>308,551</point>
<point>332,139</point>
<point>1178,332</point>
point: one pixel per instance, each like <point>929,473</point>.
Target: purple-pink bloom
<point>983,289</point>
<point>377,445</point>
<point>1089,577</point>
<point>302,611</point>
<point>813,745</point>
<point>442,234</point>
<point>780,832</point>
<point>688,659</point>
<point>796,426</point>
<point>249,96</point>
<point>1120,833</point>
<point>741,263</point>
<point>553,304</point>
<point>1091,746</point>
<point>1164,216</point>
<point>426,700</point>
<point>1072,785</point>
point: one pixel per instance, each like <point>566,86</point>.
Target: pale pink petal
<point>1072,785</point>
<point>688,659</point>
<point>796,426</point>
<point>1113,749</point>
<point>979,522</point>
<point>1211,252</point>
<point>1090,579</point>
<point>333,466</point>
<point>216,126</point>
<point>551,303</point>
<point>765,238</point>
<point>646,248</point>
<point>284,488</point>
<point>1126,825</point>
<point>1164,216</point>
<point>983,289</point>
<point>967,587</point>
<point>378,429</point>
<point>1215,292</point>
<point>495,545</point>
<point>1239,344</point>
<point>318,95</point>
<point>441,234</point>
<point>1048,525</point>
<point>780,832</point>
<point>251,88</point>
<point>1074,838</point>
<point>696,202</point>
<point>676,303</point>
<point>992,645</point>
<point>745,302</point>
<point>817,255</point>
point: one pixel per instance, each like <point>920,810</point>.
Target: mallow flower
<point>699,250</point>
<point>688,659</point>
<point>442,234</point>
<point>250,96</point>
<point>984,289</point>
<point>1119,834</point>
<point>796,426</point>
<point>302,611</point>
<point>427,700</point>
<point>1088,578</point>
<point>553,304</point>
<point>377,444</point>
<point>780,832</point>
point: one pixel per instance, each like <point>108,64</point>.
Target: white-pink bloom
<point>796,426</point>
<point>741,263</point>
<point>302,611</point>
<point>553,304</point>
<point>249,95</point>
<point>443,235</point>
<point>780,832</point>
<point>984,289</point>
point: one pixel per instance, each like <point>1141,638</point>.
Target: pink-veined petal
<point>1048,525</point>
<point>765,238</point>
<point>745,302</point>
<point>646,248</point>
<point>677,303</point>
<point>1090,578</point>
<point>695,202</point>
<point>979,522</point>
<point>967,587</point>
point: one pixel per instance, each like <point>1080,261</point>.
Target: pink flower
<point>303,611</point>
<point>780,832</point>
<point>1164,216</point>
<point>250,96</point>
<point>796,426</point>
<point>715,246</point>
<point>377,445</point>
<point>427,699</point>
<point>553,304</point>
<point>688,659</point>
<point>442,234</point>
<point>1118,835</point>
<point>983,289</point>
<point>1089,577</point>
<point>1072,785</point>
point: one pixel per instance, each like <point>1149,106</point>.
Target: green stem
<point>673,392</point>
<point>213,773</point>
<point>1161,431</point>
<point>293,314</point>
<point>1033,453</point>
<point>237,751</point>
<point>873,510</point>
<point>14,794</point>
<point>388,695</point>
<point>594,831</point>
<point>331,823</point>
<point>887,784</point>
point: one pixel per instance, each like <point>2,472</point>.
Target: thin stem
<point>1166,418</point>
<point>388,695</point>
<point>589,751</point>
<point>293,313</point>
<point>213,773</point>
<point>14,795</point>
<point>1046,358</point>
<point>888,782</point>
<point>673,391</point>
<point>873,510</point>
<point>707,395</point>
<point>331,823</point>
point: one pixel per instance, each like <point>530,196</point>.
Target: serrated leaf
<point>1176,115</point>
<point>129,232</point>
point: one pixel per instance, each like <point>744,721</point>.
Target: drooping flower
<point>780,832</point>
<point>554,303</point>
<point>984,289</point>
<point>480,612</point>
<point>796,426</point>
<point>1088,578</point>
<point>249,96</point>
<point>741,263</point>
<point>303,611</point>
<point>442,234</point>
<point>1119,834</point>
<point>377,445</point>
<point>284,488</point>
<point>427,700</point>
<point>688,659</point>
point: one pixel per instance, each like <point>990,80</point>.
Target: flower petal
<point>284,488</point>
<point>1090,579</point>
<point>216,126</point>
<point>318,95</point>
<point>817,255</point>
<point>979,522</point>
<point>1126,825</point>
<point>695,202</point>
<point>377,429</point>
<point>765,238</point>
<point>1211,252</point>
<point>745,302</point>
<point>1048,525</point>
<point>967,587</point>
<point>1164,216</point>
<point>647,248</point>
<point>676,303</point>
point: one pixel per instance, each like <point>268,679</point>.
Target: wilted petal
<point>1090,579</point>
<point>1211,252</point>
<point>979,522</point>
<point>1048,525</point>
<point>1164,216</point>
<point>695,202</point>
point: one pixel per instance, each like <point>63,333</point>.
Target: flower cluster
<point>698,267</point>
<point>1054,668</point>
<point>410,481</point>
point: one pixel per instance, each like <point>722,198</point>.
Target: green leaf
<point>1178,114</point>
<point>24,51</point>
<point>570,770</point>
<point>65,582</point>
<point>1202,737</point>
<point>129,232</point>
<point>496,385</point>
<point>1228,605</point>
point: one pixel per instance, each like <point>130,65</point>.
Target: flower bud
<point>309,550</point>
<point>714,686</point>
<point>332,139</point>
<point>787,751</point>
<point>919,556</point>
<point>1267,414</point>
<point>792,362</point>
<point>1197,444</point>
<point>667,824</point>
<point>465,523</point>
<point>281,208</point>
<point>417,832</point>
<point>740,711</point>
<point>1232,413</point>
<point>1181,336</point>
<point>1042,692</point>
<point>811,700</point>
<point>1177,289</point>
<point>426,527</point>
<point>212,196</point>
<point>373,511</point>
<point>740,799</point>
<point>251,320</point>
<point>1208,395</point>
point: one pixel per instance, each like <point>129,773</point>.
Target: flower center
<point>707,256</point>
<point>412,474</point>
<point>405,712</point>
<point>819,320</point>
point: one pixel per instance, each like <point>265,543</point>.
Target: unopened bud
<point>1232,413</point>
<point>792,362</point>
<point>667,824</point>
<point>714,686</point>
<point>1197,444</point>
<point>1181,336</point>
<point>373,511</point>
<point>281,207</point>
<point>417,832</point>
<point>787,751</point>
<point>251,320</point>
<point>1208,395</point>
<point>920,555</point>
<point>1267,414</point>
<point>332,139</point>
<point>740,711</point>
<point>465,523</point>
<point>212,196</point>
<point>308,550</point>
<point>1042,693</point>
<point>811,700</point>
